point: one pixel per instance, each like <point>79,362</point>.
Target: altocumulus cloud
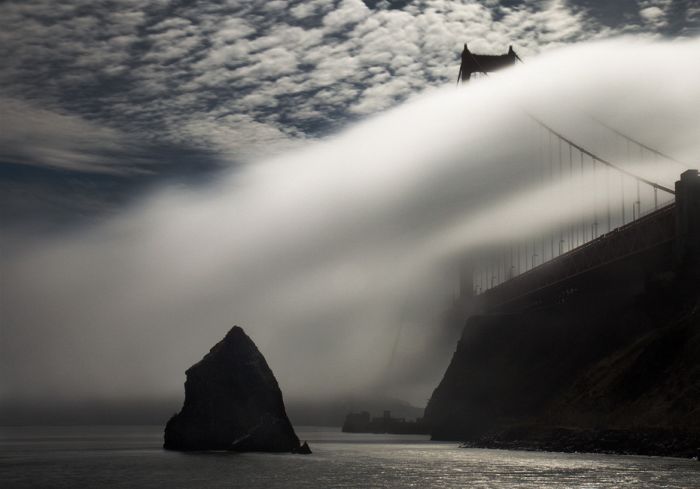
<point>249,78</point>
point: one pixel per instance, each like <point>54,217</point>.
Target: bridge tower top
<point>688,221</point>
<point>484,63</point>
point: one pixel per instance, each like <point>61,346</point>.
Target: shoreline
<point>651,443</point>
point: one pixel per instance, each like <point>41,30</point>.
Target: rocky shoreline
<point>660,443</point>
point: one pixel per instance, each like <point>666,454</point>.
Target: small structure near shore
<point>232,402</point>
<point>362,422</point>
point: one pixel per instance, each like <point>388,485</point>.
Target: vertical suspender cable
<point>622,196</point>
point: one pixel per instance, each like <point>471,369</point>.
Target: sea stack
<point>232,402</point>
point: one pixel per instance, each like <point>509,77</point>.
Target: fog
<point>325,254</point>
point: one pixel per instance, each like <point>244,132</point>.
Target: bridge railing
<point>654,229</point>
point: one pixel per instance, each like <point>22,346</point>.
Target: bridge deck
<point>649,231</point>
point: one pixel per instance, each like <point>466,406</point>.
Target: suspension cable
<point>598,158</point>
<point>637,142</point>
<point>584,150</point>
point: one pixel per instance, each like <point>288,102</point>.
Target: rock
<point>303,449</point>
<point>232,402</point>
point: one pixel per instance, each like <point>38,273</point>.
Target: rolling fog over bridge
<point>619,215</point>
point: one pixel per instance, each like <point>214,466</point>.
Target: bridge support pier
<point>687,246</point>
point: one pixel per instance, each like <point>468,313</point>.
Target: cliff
<point>232,402</point>
<point>604,371</point>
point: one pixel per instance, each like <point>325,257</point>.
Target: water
<point>131,457</point>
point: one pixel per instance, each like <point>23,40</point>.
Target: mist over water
<point>323,255</point>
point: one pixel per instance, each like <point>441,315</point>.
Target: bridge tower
<point>687,248</point>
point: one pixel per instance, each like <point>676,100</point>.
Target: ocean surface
<point>131,457</point>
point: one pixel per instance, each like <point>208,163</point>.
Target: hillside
<point>602,372</point>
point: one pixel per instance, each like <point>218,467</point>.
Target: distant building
<point>362,423</point>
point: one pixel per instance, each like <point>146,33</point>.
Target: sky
<point>103,100</point>
<point>293,167</point>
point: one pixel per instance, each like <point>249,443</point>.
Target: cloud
<point>29,135</point>
<point>348,12</point>
<point>158,70</point>
<point>654,13</point>
<point>229,132</point>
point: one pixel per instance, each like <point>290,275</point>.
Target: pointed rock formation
<point>303,449</point>
<point>232,402</point>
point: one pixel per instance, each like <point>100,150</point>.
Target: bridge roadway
<point>659,241</point>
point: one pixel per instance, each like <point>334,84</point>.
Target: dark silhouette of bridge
<point>629,227</point>
<point>627,224</point>
<point>484,63</point>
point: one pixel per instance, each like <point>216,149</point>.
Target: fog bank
<point>324,254</point>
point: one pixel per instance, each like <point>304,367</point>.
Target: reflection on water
<point>128,457</point>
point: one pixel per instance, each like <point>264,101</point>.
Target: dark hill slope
<point>654,382</point>
<point>602,372</point>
